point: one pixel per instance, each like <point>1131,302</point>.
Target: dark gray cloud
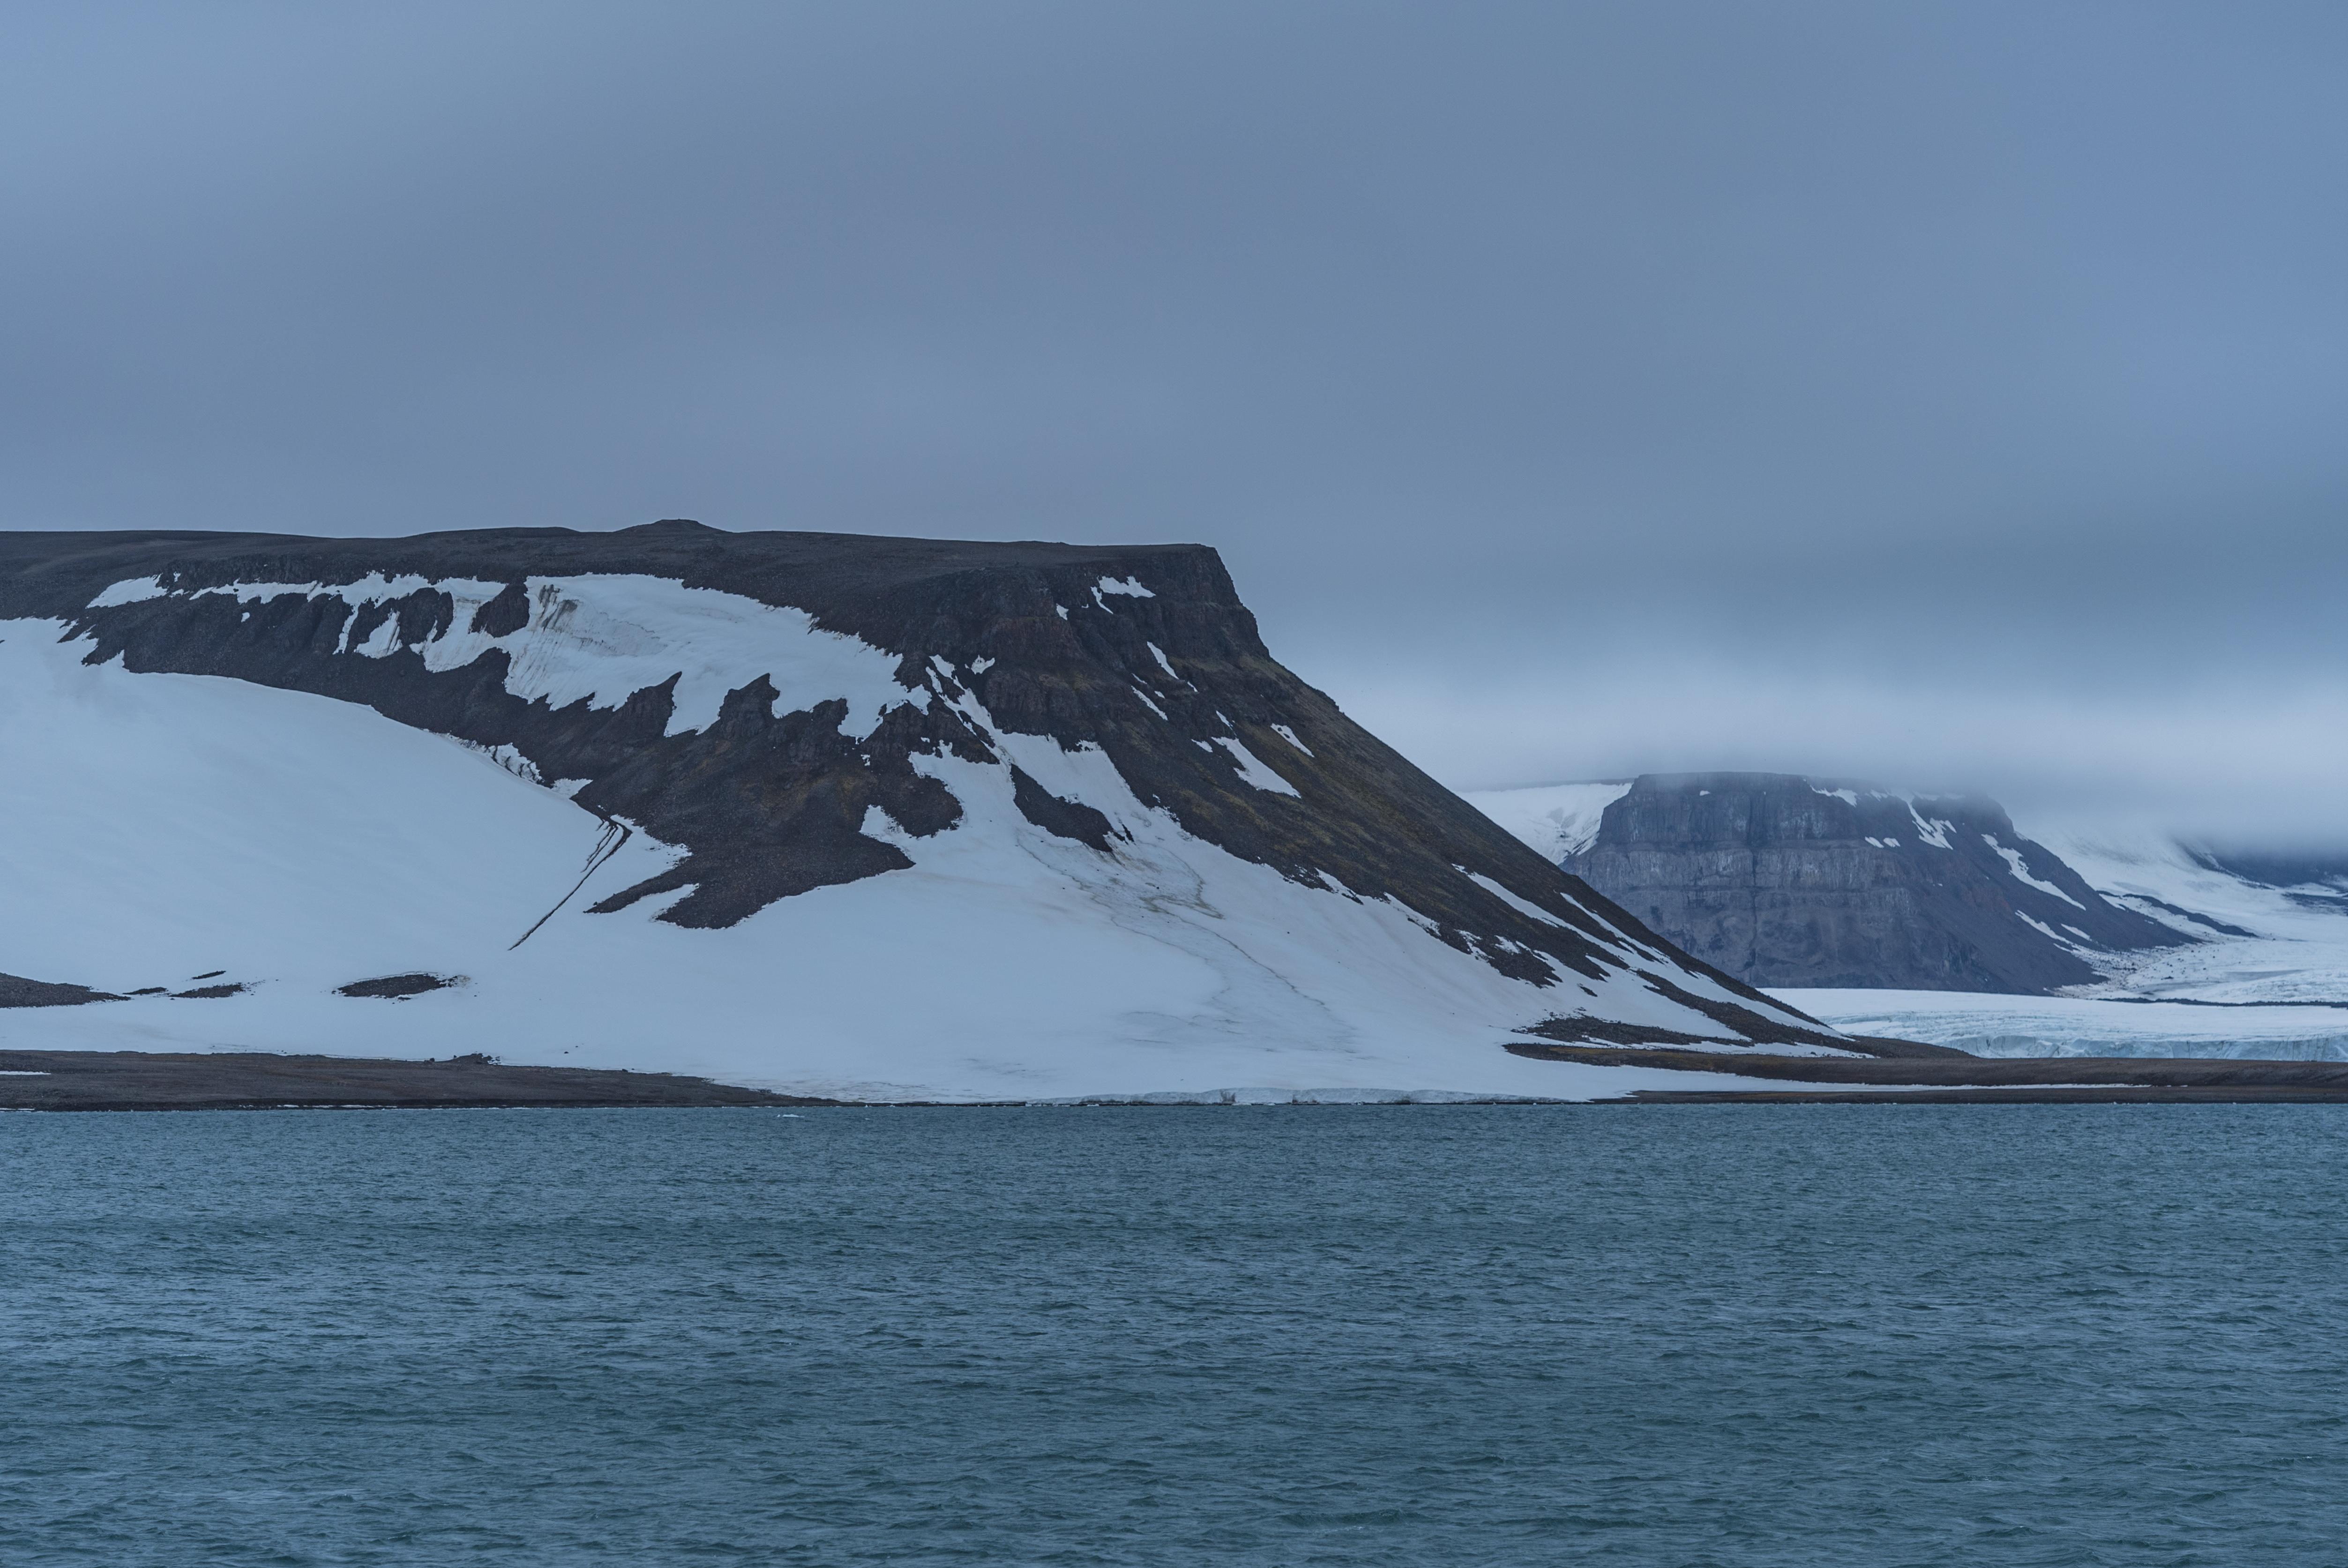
<point>1947,394</point>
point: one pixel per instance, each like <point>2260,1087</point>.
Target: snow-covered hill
<point>879,818</point>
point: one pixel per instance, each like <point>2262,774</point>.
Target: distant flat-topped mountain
<point>879,818</point>
<point>1784,880</point>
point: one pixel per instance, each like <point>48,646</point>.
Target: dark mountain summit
<point>1784,881</point>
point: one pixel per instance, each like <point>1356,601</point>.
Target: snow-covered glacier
<point>868,818</point>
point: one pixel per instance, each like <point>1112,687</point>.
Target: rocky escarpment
<point>1786,881</point>
<point>786,713</point>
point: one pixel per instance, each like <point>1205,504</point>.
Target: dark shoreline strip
<point>135,1080</point>
<point>1974,1078</point>
<point>141,1080</point>
<point>2117,1094</point>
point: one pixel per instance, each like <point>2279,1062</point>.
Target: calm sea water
<point>1409,1334</point>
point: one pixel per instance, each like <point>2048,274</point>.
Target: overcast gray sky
<point>1949,395</point>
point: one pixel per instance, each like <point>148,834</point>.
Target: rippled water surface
<point>1407,1334</point>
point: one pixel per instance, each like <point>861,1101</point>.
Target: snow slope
<point>1558,820</point>
<point>161,827</point>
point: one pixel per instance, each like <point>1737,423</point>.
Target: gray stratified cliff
<point>1782,880</point>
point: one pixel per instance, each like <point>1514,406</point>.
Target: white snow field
<point>1558,820</point>
<point>154,829</point>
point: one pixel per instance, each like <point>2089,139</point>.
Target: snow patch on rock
<point>129,590</point>
<point>2021,869</point>
<point>603,638</point>
<point>1252,769</point>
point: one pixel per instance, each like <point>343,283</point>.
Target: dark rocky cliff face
<point>1167,676</point>
<point>1783,882</point>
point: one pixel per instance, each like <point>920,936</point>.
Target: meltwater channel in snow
<point>176,825</point>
